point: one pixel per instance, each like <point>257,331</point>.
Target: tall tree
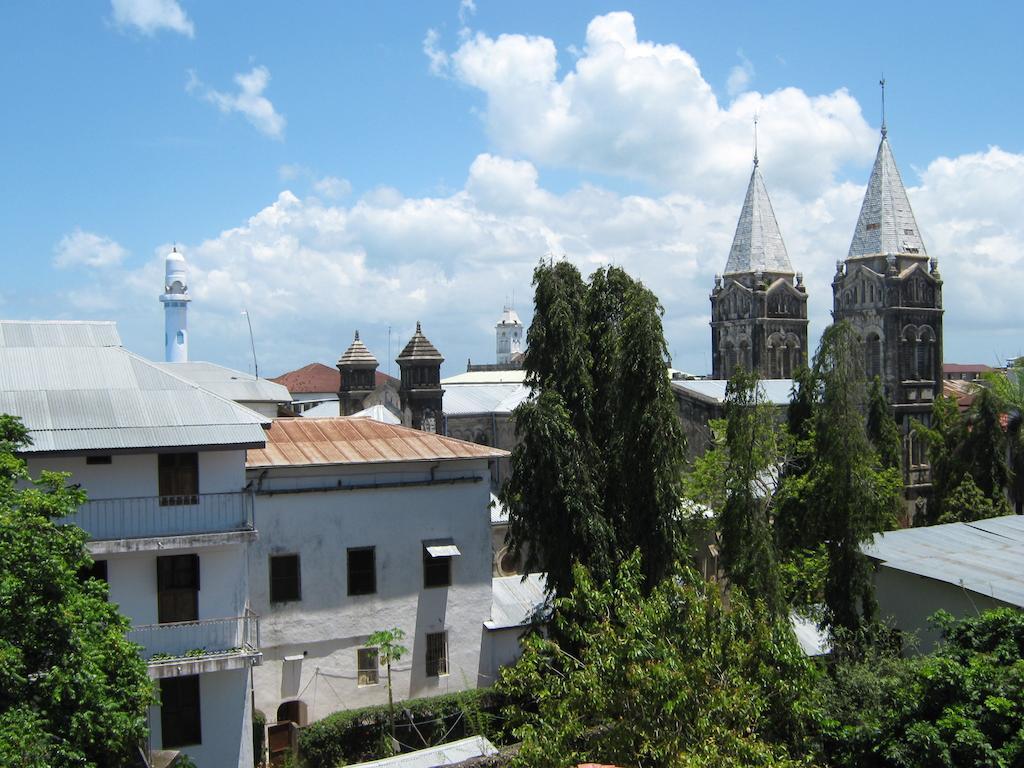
<point>73,690</point>
<point>598,469</point>
<point>752,466</point>
<point>1008,388</point>
<point>882,430</point>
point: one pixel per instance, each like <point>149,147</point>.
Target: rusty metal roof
<point>339,440</point>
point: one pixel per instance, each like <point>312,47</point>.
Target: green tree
<point>389,651</point>
<point>73,690</point>
<point>1008,388</point>
<point>882,430</point>
<point>752,467</point>
<point>846,494</point>
<point>967,503</point>
<point>669,678</point>
<point>598,468</point>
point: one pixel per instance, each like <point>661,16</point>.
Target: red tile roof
<point>966,368</point>
<point>317,377</point>
<point>305,441</point>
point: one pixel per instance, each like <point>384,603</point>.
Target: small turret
<point>358,369</point>
<point>175,299</point>
<point>420,390</point>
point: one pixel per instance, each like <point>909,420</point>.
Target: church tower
<point>175,299</point>
<point>891,292</point>
<point>758,312</point>
<point>358,369</point>
<point>509,337</point>
<point>420,389</point>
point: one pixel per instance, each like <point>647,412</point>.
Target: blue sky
<point>395,162</point>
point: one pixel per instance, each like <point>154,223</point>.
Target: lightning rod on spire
<point>885,129</point>
<point>755,138</point>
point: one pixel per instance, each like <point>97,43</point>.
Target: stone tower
<point>891,293</point>
<point>358,369</point>
<point>759,306</point>
<point>175,299</point>
<point>509,337</point>
<point>420,389</point>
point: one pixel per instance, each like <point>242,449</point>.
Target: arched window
<point>908,354</point>
<point>926,354</point>
<point>873,356</point>
<point>793,358</point>
<point>292,711</point>
<point>776,350</point>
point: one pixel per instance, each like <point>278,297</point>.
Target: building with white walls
<point>175,299</point>
<point>163,463</point>
<point>367,526</point>
<point>509,337</point>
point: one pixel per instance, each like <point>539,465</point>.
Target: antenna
<point>389,350</point>
<point>881,82</point>
<point>755,139</point>
<point>252,343</point>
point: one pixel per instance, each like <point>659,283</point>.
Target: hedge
<point>358,735</point>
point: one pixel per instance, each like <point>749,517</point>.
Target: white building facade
<point>366,526</point>
<point>170,520</point>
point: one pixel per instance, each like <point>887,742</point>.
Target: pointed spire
<point>757,245</point>
<point>885,130</point>
<point>886,224</point>
<point>419,348</point>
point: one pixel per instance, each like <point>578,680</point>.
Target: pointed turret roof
<point>357,354</point>
<point>886,223</point>
<point>420,348</point>
<point>757,245</point>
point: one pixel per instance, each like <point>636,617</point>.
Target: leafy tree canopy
<point>73,690</point>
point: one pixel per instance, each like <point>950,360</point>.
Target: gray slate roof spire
<point>886,223</point>
<point>757,245</point>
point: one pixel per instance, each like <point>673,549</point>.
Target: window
<point>437,563</point>
<point>177,588</point>
<point>179,479</point>
<point>98,570</point>
<point>285,579</point>
<point>366,666</point>
<point>179,711</point>
<point>99,459</point>
<point>362,571</point>
<point>437,654</point>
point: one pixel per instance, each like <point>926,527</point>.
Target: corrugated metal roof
<point>304,441</point>
<point>516,376</point>
<point>985,556</point>
<point>76,389</point>
<point>443,754</point>
<point>776,391</point>
<point>464,399</point>
<point>886,223</point>
<point>499,514</point>
<point>514,600</point>
<point>234,385</point>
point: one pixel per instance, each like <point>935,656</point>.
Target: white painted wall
<point>225,714</point>
<point>501,648</point>
<point>908,600</point>
<point>327,625</point>
<point>132,475</point>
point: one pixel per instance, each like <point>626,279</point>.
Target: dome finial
<point>357,335</point>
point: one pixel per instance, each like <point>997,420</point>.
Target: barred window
<point>367,666</point>
<point>437,654</point>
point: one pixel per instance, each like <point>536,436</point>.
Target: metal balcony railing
<point>196,639</point>
<point>146,516</point>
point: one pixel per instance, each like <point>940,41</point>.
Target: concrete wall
<point>908,600</point>
<point>225,712</point>
<point>494,429</point>
<point>132,475</point>
<point>327,626</point>
<point>501,648</point>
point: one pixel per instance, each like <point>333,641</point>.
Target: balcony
<point>158,516</point>
<point>207,645</point>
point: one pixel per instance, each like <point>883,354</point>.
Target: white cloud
<point>150,16</point>
<point>332,187</point>
<point>80,248</point>
<point>438,57</point>
<point>642,110</point>
<point>740,76</point>
<point>467,8</point>
<point>249,101</point>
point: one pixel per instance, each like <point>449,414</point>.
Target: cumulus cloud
<point>435,54</point>
<point>332,187</point>
<point>249,101</point>
<point>80,248</point>
<point>150,16</point>
<point>643,110</point>
<point>740,76</point>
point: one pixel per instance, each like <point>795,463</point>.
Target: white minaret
<point>175,299</point>
<point>509,331</point>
